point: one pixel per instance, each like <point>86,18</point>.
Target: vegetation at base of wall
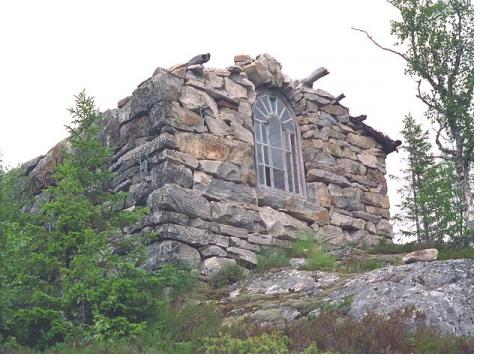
<point>227,275</point>
<point>304,244</point>
<point>318,259</point>
<point>268,259</point>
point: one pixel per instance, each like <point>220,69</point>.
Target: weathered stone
<point>214,80</point>
<point>265,70</point>
<point>217,189</point>
<point>376,199</point>
<point>366,216</point>
<point>368,159</point>
<point>279,224</point>
<point>244,244</point>
<point>177,116</point>
<point>175,198</point>
<point>236,215</point>
<point>171,172</point>
<point>331,234</point>
<point>242,134</point>
<point>314,175</point>
<point>384,228</point>
<point>232,231</point>
<point>189,235</point>
<point>370,227</point>
<point>162,217</point>
<point>420,255</point>
<point>162,87</point>
<point>41,174</point>
<point>346,222</point>
<point>242,254</point>
<point>212,250</point>
<point>335,109</point>
<point>213,265</point>
<point>171,252</point>
<point>204,146</point>
<point>217,126</point>
<point>234,89</point>
<point>222,170</point>
<point>362,142</point>
<point>352,167</point>
<point>194,99</point>
<point>319,194</point>
<point>384,213</point>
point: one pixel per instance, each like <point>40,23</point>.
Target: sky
<point>51,50</point>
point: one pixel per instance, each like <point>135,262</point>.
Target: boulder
<point>420,255</point>
<point>173,197</point>
<point>317,175</point>
<point>171,252</point>
<point>213,265</point>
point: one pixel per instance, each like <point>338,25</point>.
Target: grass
<point>446,251</point>
<point>361,265</point>
<point>272,258</point>
<point>303,245</point>
<point>227,275</point>
<point>319,260</point>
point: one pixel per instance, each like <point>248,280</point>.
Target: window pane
<point>279,179</point>
<point>275,132</point>
<point>289,171</point>
<point>277,158</point>
<point>264,133</point>
<point>265,154</point>
<point>258,149</point>
<point>261,174</point>
<point>267,176</point>
<point>259,115</point>
<point>258,133</point>
<point>295,163</point>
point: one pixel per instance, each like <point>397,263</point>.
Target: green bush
<point>227,275</point>
<point>319,260</point>
<point>303,245</point>
<point>274,343</point>
<point>272,258</point>
<point>445,253</point>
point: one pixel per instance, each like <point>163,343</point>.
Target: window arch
<point>277,145</point>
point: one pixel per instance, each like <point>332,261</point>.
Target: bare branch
<point>403,56</point>
<point>439,144</point>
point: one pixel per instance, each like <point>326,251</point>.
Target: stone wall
<point>184,147</point>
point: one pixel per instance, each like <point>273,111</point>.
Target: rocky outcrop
<point>441,290</point>
<point>183,145</point>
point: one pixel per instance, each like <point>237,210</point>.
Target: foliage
<point>228,274</point>
<point>60,277</point>
<point>431,207</point>
<point>318,259</point>
<point>273,343</point>
<point>447,252</point>
<point>438,38</point>
<point>303,245</point>
<point>272,258</point>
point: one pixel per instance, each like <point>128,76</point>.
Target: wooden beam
<point>337,99</point>
<point>358,119</point>
<point>314,76</point>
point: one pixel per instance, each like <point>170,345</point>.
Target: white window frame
<point>292,157</point>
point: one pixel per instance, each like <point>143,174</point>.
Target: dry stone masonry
<point>184,146</point>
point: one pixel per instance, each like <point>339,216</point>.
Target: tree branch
<point>403,56</point>
<point>439,144</point>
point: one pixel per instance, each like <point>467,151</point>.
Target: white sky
<point>51,50</point>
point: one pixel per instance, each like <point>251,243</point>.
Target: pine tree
<point>432,207</point>
<point>61,278</point>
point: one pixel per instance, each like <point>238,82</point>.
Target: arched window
<point>277,146</point>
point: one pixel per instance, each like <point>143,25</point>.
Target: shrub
<point>227,275</point>
<point>318,260</point>
<point>303,245</point>
<point>274,343</point>
<point>272,258</point>
<point>445,253</point>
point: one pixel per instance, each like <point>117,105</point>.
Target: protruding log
<point>314,76</point>
<point>337,99</point>
<point>358,119</point>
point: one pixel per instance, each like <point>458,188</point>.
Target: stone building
<point>231,161</point>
